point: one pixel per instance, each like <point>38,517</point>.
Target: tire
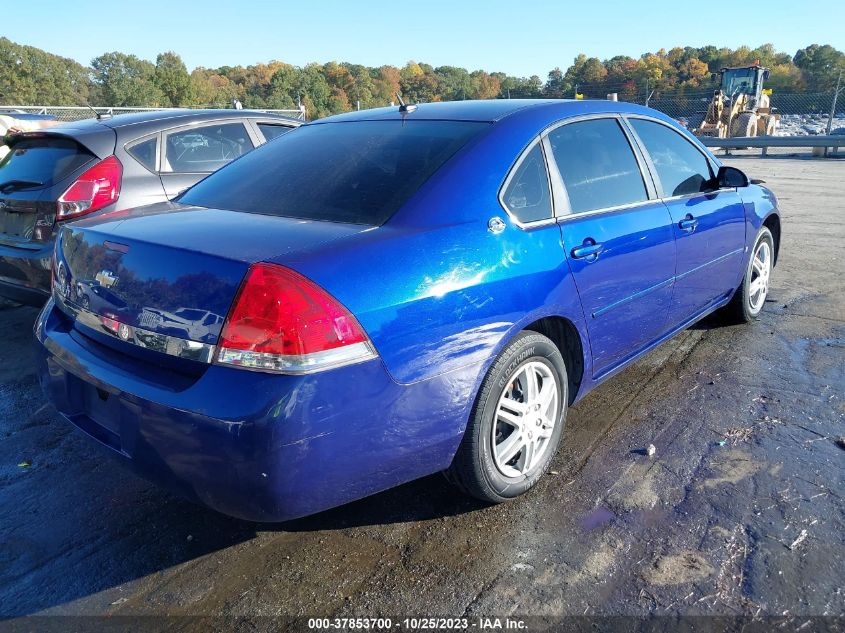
<point>482,467</point>
<point>745,124</point>
<point>766,125</point>
<point>746,304</point>
<point>771,126</point>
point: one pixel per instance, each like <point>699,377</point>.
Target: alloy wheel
<point>761,269</point>
<point>526,415</point>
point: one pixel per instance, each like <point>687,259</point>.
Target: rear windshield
<point>359,172</point>
<point>43,160</point>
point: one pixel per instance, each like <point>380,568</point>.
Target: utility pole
<point>833,107</point>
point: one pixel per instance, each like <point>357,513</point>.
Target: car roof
<point>489,111</point>
<point>186,115</point>
<point>145,122</point>
<point>100,135</point>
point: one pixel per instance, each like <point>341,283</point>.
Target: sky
<point>519,37</point>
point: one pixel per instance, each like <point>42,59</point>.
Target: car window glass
<point>205,148</point>
<point>681,167</point>
<point>366,170</point>
<point>145,153</point>
<point>597,165</point>
<point>271,130</point>
<point>527,195</point>
<point>45,160</point>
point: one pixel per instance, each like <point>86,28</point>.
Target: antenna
<point>403,107</point>
<point>96,114</point>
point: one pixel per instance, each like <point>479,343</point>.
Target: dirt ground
<point>739,512</point>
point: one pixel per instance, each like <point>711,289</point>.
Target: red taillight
<point>281,321</point>
<point>96,189</point>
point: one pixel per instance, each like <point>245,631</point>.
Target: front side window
<point>205,148</point>
<point>597,165</point>
<point>681,167</point>
<point>527,195</point>
<point>359,172</point>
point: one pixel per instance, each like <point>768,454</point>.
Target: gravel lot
<point>739,512</point>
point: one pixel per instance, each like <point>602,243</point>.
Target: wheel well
<point>564,335</point>
<point>773,224</point>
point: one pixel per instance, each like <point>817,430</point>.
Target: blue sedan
<point>386,294</point>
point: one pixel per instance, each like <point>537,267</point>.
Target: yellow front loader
<point>740,106</point>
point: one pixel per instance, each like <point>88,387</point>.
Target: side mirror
<point>766,74</point>
<point>730,177</point>
<point>713,77</point>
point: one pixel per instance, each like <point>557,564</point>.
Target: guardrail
<point>833,142</point>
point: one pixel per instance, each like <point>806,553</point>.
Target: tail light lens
<point>96,189</point>
<point>282,322</point>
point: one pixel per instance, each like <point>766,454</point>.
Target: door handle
<point>688,224</point>
<point>588,251</point>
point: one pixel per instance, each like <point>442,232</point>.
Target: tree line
<point>31,76</point>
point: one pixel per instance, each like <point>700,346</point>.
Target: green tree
<point>454,84</point>
<point>30,76</point>
<point>820,66</point>
<point>172,78</point>
<point>557,86</point>
<point>125,80</point>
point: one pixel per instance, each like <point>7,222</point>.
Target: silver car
<point>100,165</point>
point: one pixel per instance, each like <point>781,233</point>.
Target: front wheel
<point>749,298</point>
<point>516,423</point>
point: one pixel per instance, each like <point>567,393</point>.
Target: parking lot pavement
<point>740,511</point>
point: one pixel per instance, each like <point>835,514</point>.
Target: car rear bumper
<point>25,274</point>
<point>257,446</point>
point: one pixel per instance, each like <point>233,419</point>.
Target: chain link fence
<point>73,113</point>
<point>801,114</point>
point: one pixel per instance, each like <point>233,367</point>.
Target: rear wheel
<point>516,423</point>
<point>749,298</point>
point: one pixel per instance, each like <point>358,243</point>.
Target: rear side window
<point>681,167</point>
<point>205,148</point>
<point>359,172</point>
<point>271,131</point>
<point>45,160</point>
<point>145,152</point>
<point>597,165</point>
<point>527,195</point>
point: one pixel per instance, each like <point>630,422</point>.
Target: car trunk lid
<point>171,269</point>
<point>35,172</point>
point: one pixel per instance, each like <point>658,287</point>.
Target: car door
<point>709,225</point>
<point>190,153</point>
<point>617,237</point>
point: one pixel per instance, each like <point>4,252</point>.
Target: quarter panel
<point>437,300</point>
